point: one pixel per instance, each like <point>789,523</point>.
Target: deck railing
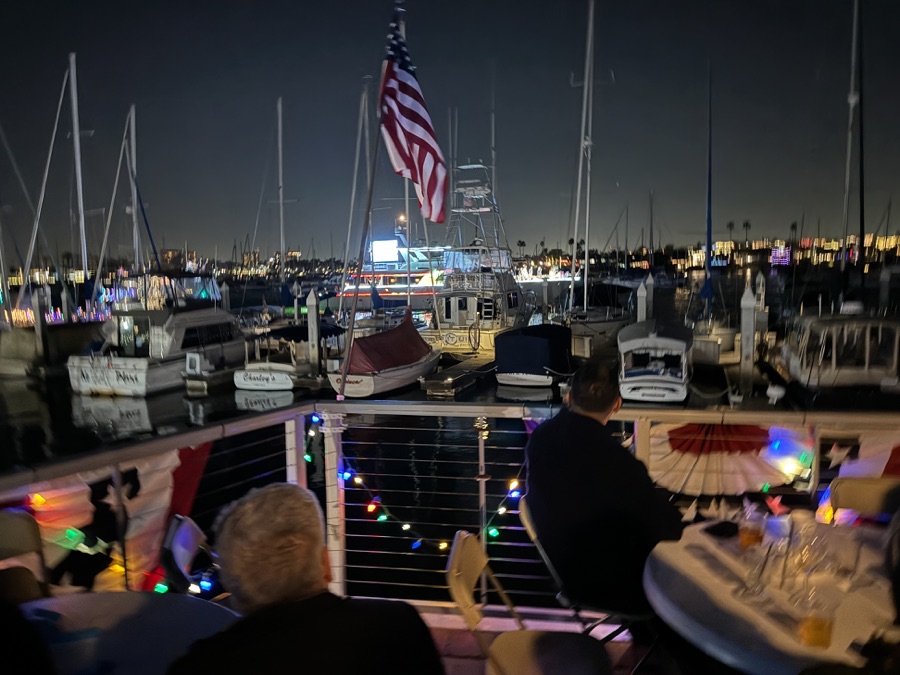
<point>399,478</point>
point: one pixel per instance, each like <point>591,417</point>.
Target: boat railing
<point>471,281</point>
<point>398,479</point>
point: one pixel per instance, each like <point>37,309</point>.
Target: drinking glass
<point>815,619</point>
<point>751,529</point>
<point>809,550</point>
<point>755,559</point>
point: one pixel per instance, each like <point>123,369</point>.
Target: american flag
<point>406,126</point>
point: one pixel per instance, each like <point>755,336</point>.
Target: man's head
<point>594,390</point>
<point>271,545</point>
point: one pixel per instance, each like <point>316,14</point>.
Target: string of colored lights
<point>377,508</point>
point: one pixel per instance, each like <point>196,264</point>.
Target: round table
<point>691,585</point>
<point>126,632</point>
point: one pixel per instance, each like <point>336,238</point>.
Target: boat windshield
<point>477,259</point>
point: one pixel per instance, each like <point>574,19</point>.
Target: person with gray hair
<point>271,547</point>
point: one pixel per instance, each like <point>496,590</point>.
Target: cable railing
<point>397,479</point>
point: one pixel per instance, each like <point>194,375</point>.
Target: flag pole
<point>367,224</point>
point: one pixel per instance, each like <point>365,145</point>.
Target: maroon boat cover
<point>392,348</point>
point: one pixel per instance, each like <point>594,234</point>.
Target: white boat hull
<point>260,379</point>
<point>653,389</point>
<point>369,384</point>
<point>112,375</point>
<point>524,380</point>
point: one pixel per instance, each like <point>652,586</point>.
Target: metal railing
<point>426,469</point>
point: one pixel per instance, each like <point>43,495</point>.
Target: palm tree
<point>730,227</point>
<point>521,245</point>
<point>747,233</point>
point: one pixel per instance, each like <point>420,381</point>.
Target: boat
<point>384,361</point>
<point>480,298</point>
<point>655,361</point>
<point>842,350</point>
<point>534,356</point>
<point>594,329</point>
<point>146,345</point>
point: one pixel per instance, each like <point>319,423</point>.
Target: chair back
<point>465,566</point>
<point>866,496</point>
<point>183,541</point>
<point>517,652</point>
<point>19,534</point>
<point>528,524</point>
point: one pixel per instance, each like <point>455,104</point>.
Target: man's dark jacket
<point>322,634</point>
<point>595,510</point>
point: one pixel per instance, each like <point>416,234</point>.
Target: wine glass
<point>809,552</point>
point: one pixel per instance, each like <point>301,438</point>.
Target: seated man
<point>593,503</point>
<point>274,562</point>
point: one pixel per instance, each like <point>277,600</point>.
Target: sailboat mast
<point>363,102</point>
<point>651,228</point>
<point>852,99</point>
<point>281,191</point>
<point>588,149</point>
<point>861,258</point>
<point>136,238</point>
<point>493,131</point>
<point>709,188</point>
<point>76,144</point>
<point>588,59</point>
<point>6,306</point>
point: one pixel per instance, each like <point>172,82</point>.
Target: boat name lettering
<point>258,377</point>
<point>124,377</point>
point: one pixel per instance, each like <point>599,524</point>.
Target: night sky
<point>205,77</point>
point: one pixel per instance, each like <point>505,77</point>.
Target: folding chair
<point>20,535</point>
<point>624,619</point>
<point>184,541</point>
<point>523,651</point>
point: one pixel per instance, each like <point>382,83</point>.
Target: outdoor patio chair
<point>611,616</point>
<point>867,496</point>
<point>20,537</point>
<point>184,541</point>
<point>523,651</point>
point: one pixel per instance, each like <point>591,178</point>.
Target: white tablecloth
<point>691,584</point>
<point>129,632</point>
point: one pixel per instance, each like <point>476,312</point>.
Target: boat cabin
<point>843,351</point>
<point>655,361</point>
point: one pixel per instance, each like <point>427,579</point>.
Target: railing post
<point>294,445</point>
<point>335,524</point>
<point>642,440</point>
<point>481,425</point>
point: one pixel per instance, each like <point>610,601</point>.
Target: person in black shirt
<point>593,504</point>
<point>274,562</point>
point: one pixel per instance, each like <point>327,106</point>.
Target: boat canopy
<point>534,348</point>
<point>651,334</point>
<point>392,348</point>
